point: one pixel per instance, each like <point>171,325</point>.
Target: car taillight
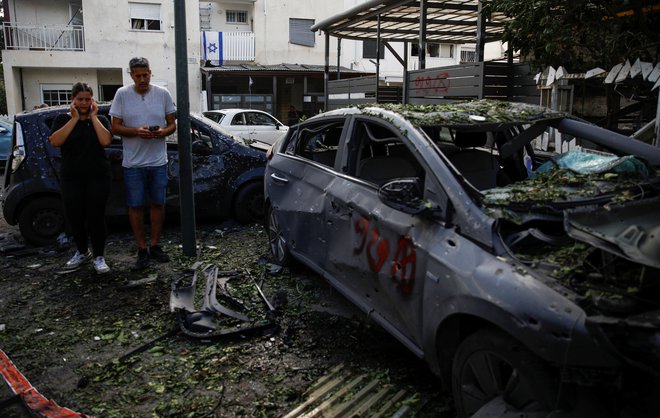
<point>17,156</point>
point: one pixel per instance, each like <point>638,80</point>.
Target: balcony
<point>228,46</point>
<point>44,37</point>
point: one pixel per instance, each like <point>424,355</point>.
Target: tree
<point>581,34</point>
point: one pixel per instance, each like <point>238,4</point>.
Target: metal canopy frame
<point>447,21</point>
<point>418,21</point>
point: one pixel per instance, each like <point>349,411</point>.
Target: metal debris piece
<point>213,318</point>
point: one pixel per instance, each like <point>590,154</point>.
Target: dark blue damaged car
<point>515,249</point>
<point>227,176</point>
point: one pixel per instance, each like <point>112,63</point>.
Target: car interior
<point>382,155</point>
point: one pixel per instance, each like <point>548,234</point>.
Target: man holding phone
<point>143,114</point>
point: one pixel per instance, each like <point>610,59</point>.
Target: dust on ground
<point>108,345</point>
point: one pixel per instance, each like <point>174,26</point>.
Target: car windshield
<point>523,156</point>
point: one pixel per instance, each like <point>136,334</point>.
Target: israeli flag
<point>212,43</point>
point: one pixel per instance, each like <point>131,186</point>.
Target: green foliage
<point>581,34</point>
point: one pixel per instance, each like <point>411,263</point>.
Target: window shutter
<point>299,32</point>
<point>144,11</point>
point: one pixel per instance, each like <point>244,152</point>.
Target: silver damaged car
<point>515,249</point>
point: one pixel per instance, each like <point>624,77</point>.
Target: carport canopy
<point>418,21</point>
<point>442,21</point>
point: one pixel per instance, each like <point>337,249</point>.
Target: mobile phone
<point>154,128</point>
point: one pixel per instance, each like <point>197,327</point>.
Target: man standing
<point>143,114</point>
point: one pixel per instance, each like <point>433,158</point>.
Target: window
<point>55,94</point>
<point>254,118</point>
<point>434,50</point>
<point>381,155</point>
<point>236,16</point>
<point>369,49</point>
<point>318,143</point>
<point>144,16</point>
<point>440,50</point>
<point>300,33</point>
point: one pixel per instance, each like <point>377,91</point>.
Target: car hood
<point>629,230</point>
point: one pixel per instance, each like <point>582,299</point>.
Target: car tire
<point>249,203</point>
<point>42,220</point>
<point>489,365</point>
<point>279,248</point>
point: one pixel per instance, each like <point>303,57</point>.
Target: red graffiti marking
<point>361,227</point>
<point>435,83</point>
<point>382,250</point>
<point>402,270</point>
<point>403,265</point>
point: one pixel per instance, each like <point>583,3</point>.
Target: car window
<point>379,155</point>
<point>317,142</point>
<point>254,118</point>
<point>238,120</point>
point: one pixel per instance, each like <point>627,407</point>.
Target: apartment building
<point>240,53</point>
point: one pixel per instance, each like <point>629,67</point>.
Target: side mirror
<point>403,194</point>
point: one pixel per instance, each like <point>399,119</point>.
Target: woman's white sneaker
<point>77,260</point>
<point>100,266</point>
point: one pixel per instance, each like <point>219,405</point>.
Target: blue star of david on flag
<point>212,44</point>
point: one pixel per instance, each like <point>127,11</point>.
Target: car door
<point>238,125</point>
<point>378,254</point>
<point>297,182</point>
<point>262,127</point>
<point>209,170</point>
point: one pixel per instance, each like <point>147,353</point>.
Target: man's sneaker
<point>158,254</point>
<point>77,260</point>
<point>100,266</point>
<point>142,259</point>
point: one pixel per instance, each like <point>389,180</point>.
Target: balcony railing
<point>236,46</point>
<point>44,37</point>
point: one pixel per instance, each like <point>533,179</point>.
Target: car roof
<point>235,110</point>
<point>470,113</point>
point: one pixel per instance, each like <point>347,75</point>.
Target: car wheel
<point>278,246</point>
<point>489,366</point>
<point>42,220</point>
<point>249,203</point>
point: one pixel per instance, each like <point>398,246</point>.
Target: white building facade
<point>265,49</point>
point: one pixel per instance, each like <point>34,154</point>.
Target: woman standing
<point>85,174</point>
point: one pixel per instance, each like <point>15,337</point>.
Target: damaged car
<point>514,248</point>
<point>227,176</point>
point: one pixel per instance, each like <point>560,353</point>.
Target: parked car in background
<point>527,277</point>
<point>249,124</point>
<point>5,142</point>
<point>227,176</point>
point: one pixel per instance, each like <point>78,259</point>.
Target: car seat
<point>381,169</point>
<point>479,167</point>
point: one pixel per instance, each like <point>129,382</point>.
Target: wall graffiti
<point>435,83</point>
<point>377,250</point>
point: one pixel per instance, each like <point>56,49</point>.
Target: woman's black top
<point>82,154</point>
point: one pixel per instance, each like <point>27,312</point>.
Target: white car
<point>249,124</point>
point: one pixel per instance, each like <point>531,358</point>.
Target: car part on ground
<point>227,178</point>
<point>237,314</point>
<point>473,231</point>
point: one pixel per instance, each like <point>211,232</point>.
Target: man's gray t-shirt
<point>137,111</point>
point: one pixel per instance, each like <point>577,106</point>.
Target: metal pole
<point>657,123</point>
<point>183,131</point>
<point>377,58</point>
<point>338,58</point>
<point>326,71</point>
<point>421,53</point>
<point>481,33</point>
